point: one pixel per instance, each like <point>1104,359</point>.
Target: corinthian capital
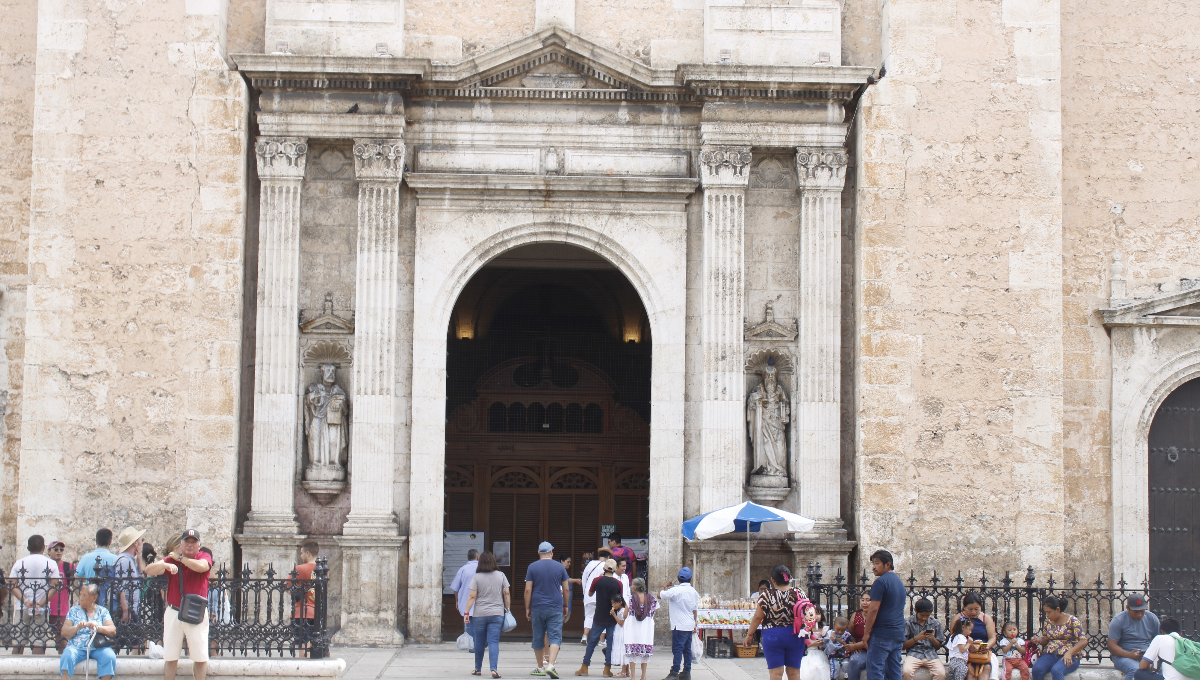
<point>379,159</point>
<point>821,168</point>
<point>281,157</point>
<point>725,166</point>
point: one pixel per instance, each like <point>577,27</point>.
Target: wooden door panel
<point>1174,477</point>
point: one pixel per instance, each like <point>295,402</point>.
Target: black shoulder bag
<point>192,606</point>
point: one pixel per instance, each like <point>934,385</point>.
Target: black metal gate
<point>1175,489</point>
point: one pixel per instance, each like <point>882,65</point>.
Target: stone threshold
<point>18,668</point>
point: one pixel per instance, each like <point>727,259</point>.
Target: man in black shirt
<point>603,622</point>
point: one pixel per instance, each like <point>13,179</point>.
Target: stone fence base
<point>1103,671</point>
<point>18,668</point>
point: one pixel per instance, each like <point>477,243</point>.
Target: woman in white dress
<point>618,641</point>
<point>639,627</point>
<point>815,665</point>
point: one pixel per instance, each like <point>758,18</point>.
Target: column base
<point>383,526</point>
<point>370,590</point>
<point>261,552</point>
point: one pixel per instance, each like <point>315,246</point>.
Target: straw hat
<point>127,537</point>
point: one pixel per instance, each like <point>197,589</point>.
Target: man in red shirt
<point>194,567</point>
<point>305,610</point>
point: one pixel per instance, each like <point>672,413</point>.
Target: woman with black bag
<point>187,605</point>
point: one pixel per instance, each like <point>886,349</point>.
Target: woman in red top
<point>857,649</point>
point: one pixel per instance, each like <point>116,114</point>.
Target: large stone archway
<point>453,241</point>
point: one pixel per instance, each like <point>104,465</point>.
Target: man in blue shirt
<point>87,563</point>
<point>546,598</point>
<point>1130,634</point>
<point>884,633</point>
<point>461,585</point>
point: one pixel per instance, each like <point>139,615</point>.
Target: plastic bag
<point>464,642</point>
<point>697,648</point>
<point>510,621</point>
<point>153,650</point>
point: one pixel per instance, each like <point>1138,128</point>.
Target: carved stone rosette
<point>281,157</point>
<point>379,159</point>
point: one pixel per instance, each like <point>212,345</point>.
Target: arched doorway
<point>1174,477</point>
<point>548,410</point>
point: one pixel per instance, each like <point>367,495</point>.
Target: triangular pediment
<point>1172,309</point>
<point>770,329</point>
<point>548,60</point>
<point>330,324</point>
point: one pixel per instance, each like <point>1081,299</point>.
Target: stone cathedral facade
<point>371,271</point>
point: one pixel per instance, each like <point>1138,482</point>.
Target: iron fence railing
<point>247,616</point>
<point>1006,599</point>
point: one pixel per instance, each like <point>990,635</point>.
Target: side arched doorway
<point>1174,481</point>
<point>548,411</point>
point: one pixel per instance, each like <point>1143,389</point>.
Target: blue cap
<point>685,574</point>
<point>545,547</point>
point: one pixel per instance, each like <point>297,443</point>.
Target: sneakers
<point>685,675</point>
<point>583,640</point>
<point>672,676</point>
<point>603,645</point>
<point>539,672</point>
<point>551,672</point>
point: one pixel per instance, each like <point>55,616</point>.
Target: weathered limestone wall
<point>1129,151</point>
<point>18,44</point>
<point>131,368</point>
<point>959,229</point>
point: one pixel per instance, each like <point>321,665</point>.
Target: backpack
<point>1187,657</point>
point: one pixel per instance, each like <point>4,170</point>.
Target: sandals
<point>476,672</point>
<point>495,674</point>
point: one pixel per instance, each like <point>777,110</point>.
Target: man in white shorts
<point>195,566</point>
<point>591,571</point>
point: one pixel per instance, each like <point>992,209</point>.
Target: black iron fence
<point>1019,601</point>
<point>268,616</point>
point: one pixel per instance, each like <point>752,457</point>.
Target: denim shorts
<point>546,623</point>
<point>782,647</point>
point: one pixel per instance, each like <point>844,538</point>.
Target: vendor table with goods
<point>722,615</point>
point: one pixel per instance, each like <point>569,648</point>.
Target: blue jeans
<point>681,649</point>
<point>594,638</point>
<point>1126,666</point>
<point>106,660</point>
<point>486,631</point>
<point>1052,664</point>
<point>884,659</point>
<point>547,623</point>
<point>856,665</point>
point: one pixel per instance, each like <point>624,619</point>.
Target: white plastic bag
<point>510,621</point>
<point>153,650</point>
<point>464,642</point>
<point>697,648</point>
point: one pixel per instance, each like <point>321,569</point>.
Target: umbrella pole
<point>748,562</point>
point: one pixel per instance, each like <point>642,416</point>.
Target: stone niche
<point>797,33</point>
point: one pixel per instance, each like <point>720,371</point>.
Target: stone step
<point>24,668</point>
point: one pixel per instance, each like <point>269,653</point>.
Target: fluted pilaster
<point>281,163</point>
<point>379,166</point>
<point>724,175</point>
<point>817,402</point>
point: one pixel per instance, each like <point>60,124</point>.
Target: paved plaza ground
<point>429,662</point>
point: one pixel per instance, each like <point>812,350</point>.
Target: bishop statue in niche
<point>768,411</point>
<point>326,416</point>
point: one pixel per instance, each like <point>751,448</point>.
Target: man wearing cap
<point>603,623</point>
<point>546,601</point>
<point>1130,634</point>
<point>682,600</point>
<point>194,566</point>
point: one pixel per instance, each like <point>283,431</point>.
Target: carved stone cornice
<point>725,166</point>
<point>379,159</point>
<point>821,168</point>
<point>281,157</point>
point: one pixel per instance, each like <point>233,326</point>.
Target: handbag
<point>191,607</point>
<point>978,653</point>
<point>510,622</point>
<point>102,641</point>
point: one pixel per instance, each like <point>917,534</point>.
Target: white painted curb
<point>47,667</point>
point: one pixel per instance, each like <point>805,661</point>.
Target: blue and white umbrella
<point>745,518</point>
